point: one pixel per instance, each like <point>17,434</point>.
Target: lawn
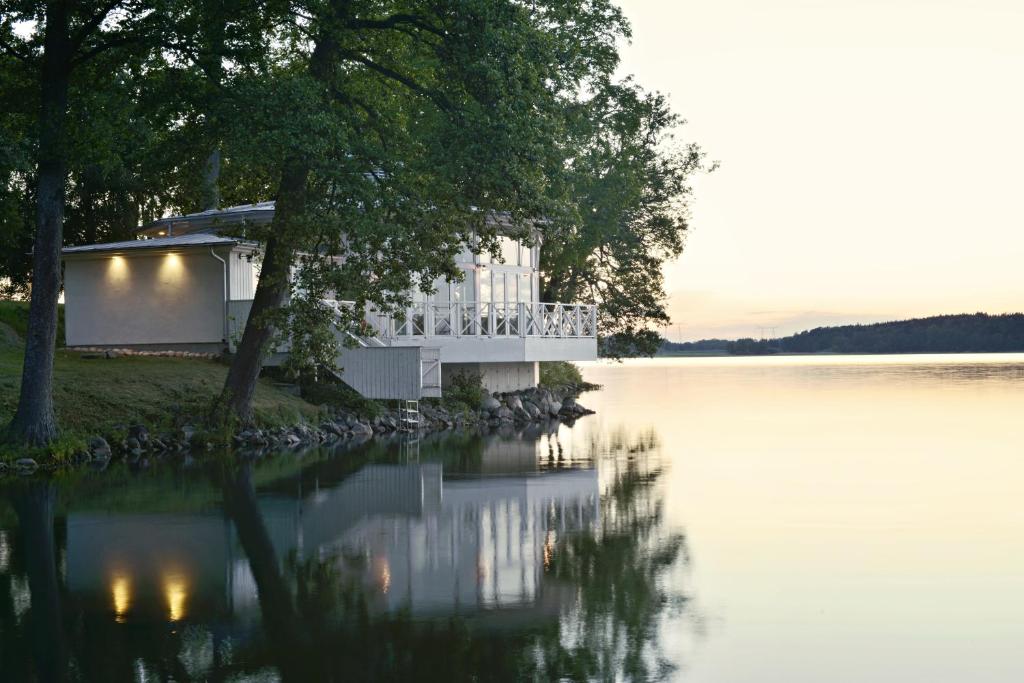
<point>103,395</point>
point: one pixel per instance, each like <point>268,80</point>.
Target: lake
<point>718,519</point>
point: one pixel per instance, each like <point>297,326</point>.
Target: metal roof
<point>196,239</point>
<point>260,212</point>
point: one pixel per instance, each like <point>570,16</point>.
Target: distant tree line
<point>964,333</point>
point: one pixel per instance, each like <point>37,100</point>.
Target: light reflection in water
<point>176,592</point>
<point>121,592</point>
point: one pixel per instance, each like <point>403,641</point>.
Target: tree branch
<point>436,97</point>
<point>394,21</point>
<point>93,23</point>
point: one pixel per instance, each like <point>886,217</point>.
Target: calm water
<point>807,519</point>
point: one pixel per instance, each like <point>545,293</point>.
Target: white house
<point>186,284</point>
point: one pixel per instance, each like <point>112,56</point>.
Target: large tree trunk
<point>273,287</point>
<point>280,617</point>
<point>34,422</point>
<point>35,507</point>
<point>271,293</point>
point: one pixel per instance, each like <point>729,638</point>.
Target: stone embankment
<point>140,445</point>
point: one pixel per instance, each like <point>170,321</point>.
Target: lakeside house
<point>187,284</point>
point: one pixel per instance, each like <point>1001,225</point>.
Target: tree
<point>388,135</point>
<point>627,196</point>
<point>63,36</point>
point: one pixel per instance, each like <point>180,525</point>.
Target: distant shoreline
<point>726,354</point>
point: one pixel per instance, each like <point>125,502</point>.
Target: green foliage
<point>558,374</point>
<point>463,392</point>
<point>626,185</point>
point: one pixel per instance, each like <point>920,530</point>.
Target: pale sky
<point>872,157</point>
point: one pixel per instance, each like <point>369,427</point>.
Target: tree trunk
<point>34,422</point>
<point>35,506</point>
<point>277,607</point>
<point>273,288</point>
<point>271,293</point>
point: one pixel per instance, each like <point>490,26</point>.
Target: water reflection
<point>473,557</point>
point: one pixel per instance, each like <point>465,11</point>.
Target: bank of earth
<point>142,407</point>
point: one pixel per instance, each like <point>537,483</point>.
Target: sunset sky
<point>872,157</point>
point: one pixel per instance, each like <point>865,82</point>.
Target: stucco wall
<point>163,298</point>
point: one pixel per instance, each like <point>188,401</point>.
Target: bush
<point>559,374</point>
<point>463,393</point>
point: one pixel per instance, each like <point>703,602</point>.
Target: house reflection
<point>416,539</point>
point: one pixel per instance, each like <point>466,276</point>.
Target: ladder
<point>408,415</point>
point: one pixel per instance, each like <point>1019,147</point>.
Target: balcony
<point>423,321</point>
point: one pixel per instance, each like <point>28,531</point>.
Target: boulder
<point>362,429</point>
<point>99,447</point>
<point>504,414</point>
<point>490,404</point>
<point>531,409</point>
<point>25,465</point>
<point>139,433</point>
<point>514,403</point>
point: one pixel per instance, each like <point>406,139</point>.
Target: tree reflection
<point>603,594</point>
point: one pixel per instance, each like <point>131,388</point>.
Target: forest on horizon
<point>963,333</point>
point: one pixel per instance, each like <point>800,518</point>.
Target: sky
<point>872,158</point>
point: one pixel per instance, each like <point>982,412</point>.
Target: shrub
<point>559,374</point>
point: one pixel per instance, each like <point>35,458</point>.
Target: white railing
<point>425,320</point>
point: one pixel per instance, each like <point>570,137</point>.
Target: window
<point>526,287</point>
<point>525,256</point>
<point>510,251</point>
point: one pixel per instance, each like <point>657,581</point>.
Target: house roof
<point>259,213</point>
<point>197,239</point>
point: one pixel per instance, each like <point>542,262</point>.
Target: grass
<point>105,395</point>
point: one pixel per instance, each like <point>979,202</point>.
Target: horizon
<point>868,159</point>
<point>668,338</point>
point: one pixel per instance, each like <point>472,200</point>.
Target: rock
<point>514,403</point>
<point>99,447</point>
<point>331,428</point>
<point>521,415</point>
<point>140,433</point>
<point>362,429</point>
<point>531,409</point>
<point>3,467</point>
<point>26,465</point>
<point>111,353</point>
<point>187,432</point>
<point>132,444</point>
<point>490,404</point>
<point>292,440</point>
<point>504,414</point>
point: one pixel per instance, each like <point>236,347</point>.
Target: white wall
<point>494,377</point>
<point>243,273</point>
<point>144,298</point>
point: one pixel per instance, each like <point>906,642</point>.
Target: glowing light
<point>121,591</point>
<point>118,269</point>
<point>176,593</point>
<point>162,233</point>
<point>549,547</point>
<point>384,575</point>
<point>172,269</point>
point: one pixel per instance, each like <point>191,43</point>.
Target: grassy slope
<point>96,396</point>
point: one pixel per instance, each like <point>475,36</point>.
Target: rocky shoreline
<point>141,444</point>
